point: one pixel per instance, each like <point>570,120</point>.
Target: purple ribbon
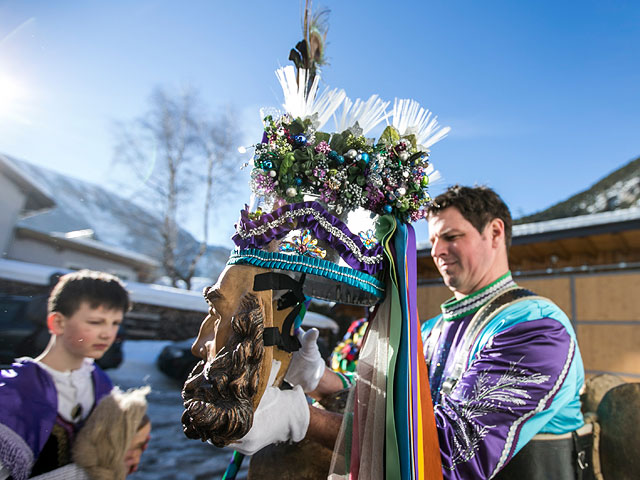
<point>308,221</point>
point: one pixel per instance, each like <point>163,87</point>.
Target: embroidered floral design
<point>488,396</point>
<point>368,238</point>
<point>304,244</point>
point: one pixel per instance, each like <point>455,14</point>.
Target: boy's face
<point>89,332</point>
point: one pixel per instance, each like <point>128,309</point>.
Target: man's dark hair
<point>478,205</point>
<point>98,289</point>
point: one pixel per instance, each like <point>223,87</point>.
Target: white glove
<point>307,366</point>
<point>282,415</point>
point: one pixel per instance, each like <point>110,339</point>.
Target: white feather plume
<point>433,174</point>
<point>367,114</point>
<point>300,104</point>
<point>408,117</point>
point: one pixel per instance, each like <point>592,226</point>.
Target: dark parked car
<point>24,332</point>
<point>176,360</point>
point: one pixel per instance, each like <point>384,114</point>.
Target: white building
<point>21,197</point>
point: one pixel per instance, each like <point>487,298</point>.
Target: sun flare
<point>11,92</point>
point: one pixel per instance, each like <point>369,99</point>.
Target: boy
<point>45,401</point>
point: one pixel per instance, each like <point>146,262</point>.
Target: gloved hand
<point>282,415</point>
<point>307,366</point>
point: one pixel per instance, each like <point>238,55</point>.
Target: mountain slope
<point>619,189</point>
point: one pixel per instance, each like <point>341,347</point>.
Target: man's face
<point>224,299</point>
<point>467,259</point>
<point>220,392</point>
<point>88,332</point>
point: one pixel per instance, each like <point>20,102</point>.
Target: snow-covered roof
<point>143,293</point>
<point>38,198</point>
<point>90,244</point>
<point>581,221</point>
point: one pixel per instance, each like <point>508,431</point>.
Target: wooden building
<point>590,266</point>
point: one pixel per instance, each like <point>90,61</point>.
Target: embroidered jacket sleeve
<point>507,394</point>
<point>28,399</point>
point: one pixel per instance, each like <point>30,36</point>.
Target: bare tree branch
<point>175,151</point>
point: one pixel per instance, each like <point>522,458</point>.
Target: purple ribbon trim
<point>413,322</point>
<point>245,224</point>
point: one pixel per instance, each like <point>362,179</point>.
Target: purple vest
<point>28,410</point>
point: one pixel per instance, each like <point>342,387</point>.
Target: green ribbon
<point>385,230</point>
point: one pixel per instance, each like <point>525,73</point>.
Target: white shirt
<point>74,387</point>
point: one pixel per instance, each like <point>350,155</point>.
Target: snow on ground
<point>171,455</point>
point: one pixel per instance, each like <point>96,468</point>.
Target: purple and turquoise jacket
<point>522,376</point>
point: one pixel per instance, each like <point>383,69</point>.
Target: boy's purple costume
<point>29,411</point>
<point>520,375</point>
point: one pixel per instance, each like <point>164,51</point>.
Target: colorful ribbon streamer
<point>414,452</point>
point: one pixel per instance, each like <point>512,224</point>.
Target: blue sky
<point>543,97</point>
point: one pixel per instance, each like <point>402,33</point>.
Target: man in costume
<point>504,364</point>
<point>501,364</point>
<point>504,367</point>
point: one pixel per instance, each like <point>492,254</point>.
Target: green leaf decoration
<point>301,155</point>
<point>361,180</point>
<point>312,154</point>
<point>287,162</point>
<point>412,139</point>
<point>322,137</point>
<point>415,157</point>
<point>338,143</point>
<point>390,136</point>
<point>296,127</point>
<point>359,142</point>
<point>385,225</point>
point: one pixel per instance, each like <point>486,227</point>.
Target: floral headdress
<point>306,183</point>
<point>346,170</point>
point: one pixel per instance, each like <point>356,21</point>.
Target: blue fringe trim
<point>314,266</point>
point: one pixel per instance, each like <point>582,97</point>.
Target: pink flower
<point>319,173</point>
<point>323,147</point>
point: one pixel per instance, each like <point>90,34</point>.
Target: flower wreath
<point>345,170</point>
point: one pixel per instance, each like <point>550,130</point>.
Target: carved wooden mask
<point>225,387</point>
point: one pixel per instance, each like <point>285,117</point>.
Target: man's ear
<point>496,229</point>
<point>55,323</point>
